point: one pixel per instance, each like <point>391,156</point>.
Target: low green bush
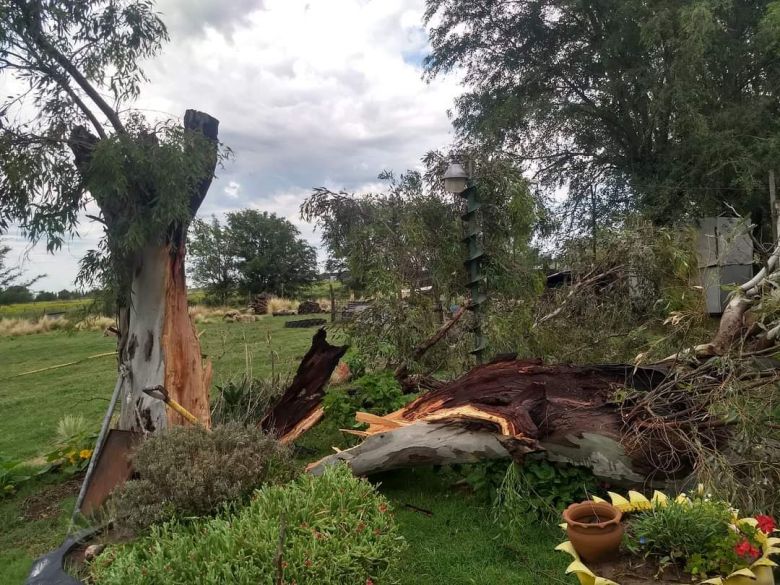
<point>697,535</point>
<point>192,472</point>
<point>333,529</point>
<point>378,393</point>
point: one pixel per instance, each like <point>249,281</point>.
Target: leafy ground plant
<point>192,472</point>
<point>541,490</point>
<point>378,393</point>
<point>73,444</point>
<point>332,529</point>
<point>12,474</point>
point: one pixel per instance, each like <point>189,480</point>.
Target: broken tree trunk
<point>300,407</point>
<point>157,342</point>
<point>507,409</point>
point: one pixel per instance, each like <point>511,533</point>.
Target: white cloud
<point>232,190</point>
<point>308,93</point>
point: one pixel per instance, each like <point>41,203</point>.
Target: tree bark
<point>158,344</point>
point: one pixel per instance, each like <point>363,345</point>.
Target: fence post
<point>332,303</point>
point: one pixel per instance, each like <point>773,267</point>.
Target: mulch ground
<point>634,571</point>
<point>45,504</point>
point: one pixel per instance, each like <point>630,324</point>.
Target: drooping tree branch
<point>39,40</point>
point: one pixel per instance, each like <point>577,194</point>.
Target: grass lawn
<point>457,543</point>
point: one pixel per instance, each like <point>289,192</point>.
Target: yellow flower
<point>85,453</point>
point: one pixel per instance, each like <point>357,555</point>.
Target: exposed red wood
<point>186,378</point>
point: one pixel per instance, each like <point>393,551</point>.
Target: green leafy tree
<point>668,107</point>
<point>213,266</point>
<point>269,254</point>
<point>67,133</point>
<point>401,241</point>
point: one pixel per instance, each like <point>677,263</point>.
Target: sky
<point>309,93</point>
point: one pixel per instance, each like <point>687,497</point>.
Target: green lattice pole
<point>473,263</point>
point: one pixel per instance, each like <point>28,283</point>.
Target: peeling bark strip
<point>509,408</point>
<point>187,379</point>
<point>299,408</point>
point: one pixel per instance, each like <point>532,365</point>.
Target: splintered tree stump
<point>507,409</point>
<point>300,407</point>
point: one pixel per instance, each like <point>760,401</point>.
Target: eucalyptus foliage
<point>59,57</point>
<point>667,107</point>
<point>67,136</point>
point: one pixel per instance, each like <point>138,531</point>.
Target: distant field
<point>35,310</point>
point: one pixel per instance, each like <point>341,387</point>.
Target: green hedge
<point>336,530</point>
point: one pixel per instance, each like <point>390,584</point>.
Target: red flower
<point>745,549</point>
<point>765,523</point>
<point>369,581</point>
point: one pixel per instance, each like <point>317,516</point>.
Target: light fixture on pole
<point>457,181</point>
<point>455,178</point>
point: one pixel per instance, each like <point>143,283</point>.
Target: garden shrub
<point>699,535</point>
<point>192,472</point>
<point>378,393</point>
<point>333,529</point>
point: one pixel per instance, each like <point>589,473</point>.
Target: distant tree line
<point>251,252</point>
<point>14,288</point>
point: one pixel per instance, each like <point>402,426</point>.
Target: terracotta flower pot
<point>594,529</point>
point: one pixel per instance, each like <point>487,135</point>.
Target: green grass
<point>457,544</point>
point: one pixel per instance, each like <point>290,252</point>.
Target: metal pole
<point>773,204</point>
<point>474,256</point>
<point>332,303</point>
<point>98,447</point>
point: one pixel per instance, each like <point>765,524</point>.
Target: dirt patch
<point>46,503</point>
<point>634,571</point>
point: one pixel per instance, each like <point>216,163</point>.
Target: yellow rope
<point>91,357</point>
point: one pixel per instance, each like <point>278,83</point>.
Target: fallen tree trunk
<point>507,409</point>
<point>300,407</point>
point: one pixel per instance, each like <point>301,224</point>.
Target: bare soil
<point>45,503</point>
<point>632,571</point>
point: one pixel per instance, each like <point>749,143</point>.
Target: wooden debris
<point>300,407</point>
<point>507,409</point>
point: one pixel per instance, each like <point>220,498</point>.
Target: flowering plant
<point>699,535</point>
<point>72,447</point>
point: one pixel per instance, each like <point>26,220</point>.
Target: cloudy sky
<point>308,92</point>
